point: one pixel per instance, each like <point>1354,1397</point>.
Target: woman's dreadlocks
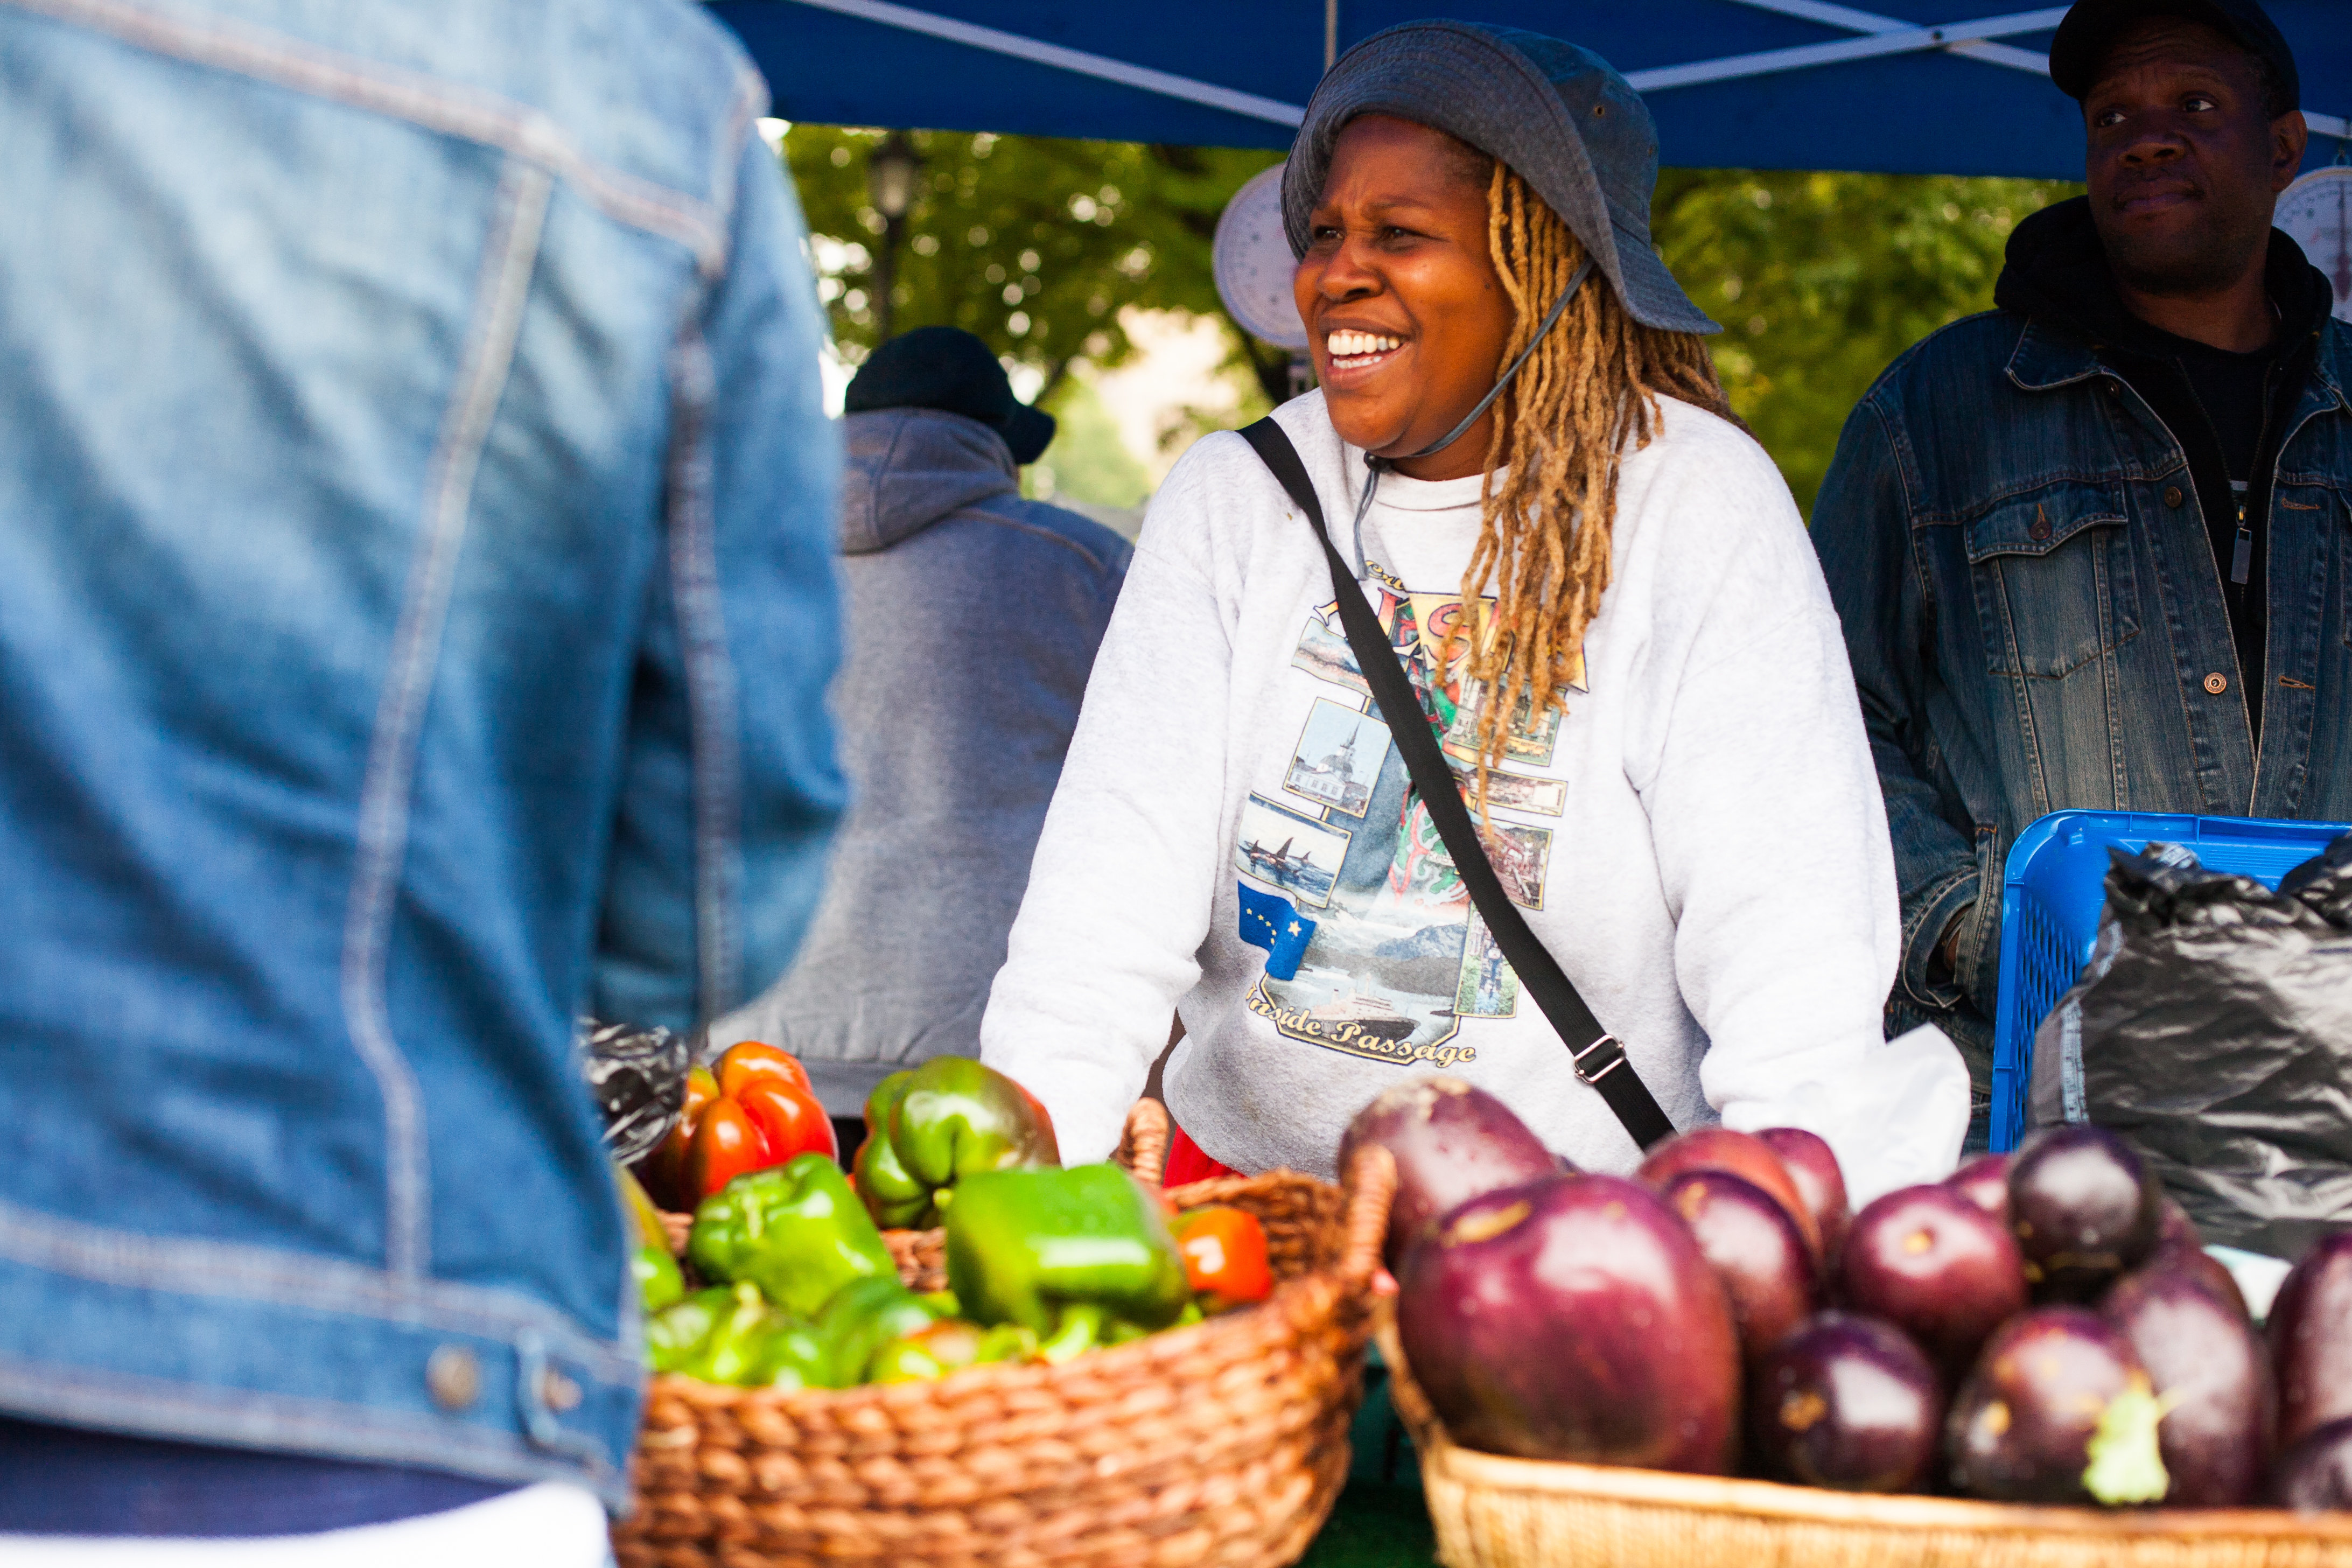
<point>1586,396</point>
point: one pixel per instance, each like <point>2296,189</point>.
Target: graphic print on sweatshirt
<point>1400,959</point>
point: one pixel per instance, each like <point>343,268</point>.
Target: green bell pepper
<point>866,1315</point>
<point>660,1282</point>
<point>1023,1246</point>
<point>677,1331</point>
<point>730,1334</point>
<point>949,1346</point>
<point>795,1230</point>
<point>927,1129</point>
<point>792,1358</point>
<point>946,1346</point>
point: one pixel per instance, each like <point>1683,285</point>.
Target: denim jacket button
<point>454,1378</point>
<point>2172,496</point>
<point>2040,528</point>
<point>2217,683</point>
<point>557,1392</point>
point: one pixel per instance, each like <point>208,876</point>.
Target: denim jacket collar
<point>2047,357</point>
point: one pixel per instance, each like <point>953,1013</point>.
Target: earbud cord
<point>1380,466</point>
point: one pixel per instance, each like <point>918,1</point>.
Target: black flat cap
<point>2090,29</point>
<point>948,369</point>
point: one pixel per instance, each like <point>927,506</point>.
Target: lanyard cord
<point>1380,466</point>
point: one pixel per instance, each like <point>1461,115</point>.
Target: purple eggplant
<point>1755,1248</point>
<point>2174,1230</point>
<point>2212,1373</point>
<point>1984,1182</point>
<point>2311,1340</point>
<point>1451,1142</point>
<point>2058,1410</point>
<point>2086,1210</point>
<point>1846,1402</point>
<point>1820,1181</point>
<point>2179,1244</point>
<point>2315,1475</point>
<point>1744,1155</point>
<point>1936,1267</point>
<point>1574,1318</point>
<point>2205,1269</point>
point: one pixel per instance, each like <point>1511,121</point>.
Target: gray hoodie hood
<point>909,467</point>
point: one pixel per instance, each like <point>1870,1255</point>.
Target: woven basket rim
<point>1266,1317</point>
<point>1448,1460</point>
<point>1304,1299</point>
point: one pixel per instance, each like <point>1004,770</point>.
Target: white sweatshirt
<point>1697,835</point>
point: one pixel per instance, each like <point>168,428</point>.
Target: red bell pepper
<point>748,1061</point>
<point>792,1120</point>
<point>664,1169</point>
<point>727,1144</point>
<point>755,1110</point>
<point>1224,1255</point>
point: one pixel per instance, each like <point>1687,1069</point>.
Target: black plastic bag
<point>2213,1028</point>
<point>638,1077</point>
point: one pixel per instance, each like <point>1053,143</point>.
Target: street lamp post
<point>890,172</point>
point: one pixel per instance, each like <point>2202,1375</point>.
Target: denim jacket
<point>2013,539</point>
<point>415,603</point>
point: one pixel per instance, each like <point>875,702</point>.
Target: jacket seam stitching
<point>710,681</point>
<point>1898,453</point>
<point>181,1267</point>
<point>500,291</point>
<point>750,100</point>
<point>80,1393</point>
<point>470,114</point>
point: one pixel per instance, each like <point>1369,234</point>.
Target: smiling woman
<point>1605,604</point>
<point>1427,262</point>
<point>1406,313</point>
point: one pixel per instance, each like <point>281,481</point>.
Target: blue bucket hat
<point>1558,115</point>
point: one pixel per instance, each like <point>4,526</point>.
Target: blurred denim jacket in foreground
<point>2035,618</point>
<point>416,601</point>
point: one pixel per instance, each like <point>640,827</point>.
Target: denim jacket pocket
<point>2055,579</point>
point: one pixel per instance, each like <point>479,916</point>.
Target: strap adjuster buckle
<point>1611,1055</point>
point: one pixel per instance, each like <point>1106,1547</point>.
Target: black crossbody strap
<point>1599,1058</point>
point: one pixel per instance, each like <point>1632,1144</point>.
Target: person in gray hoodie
<point>974,617</point>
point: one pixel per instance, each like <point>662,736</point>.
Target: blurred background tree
<point>1038,246</point>
<point>1032,243</point>
<point>1822,279</point>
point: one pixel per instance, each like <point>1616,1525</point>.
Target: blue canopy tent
<point>1909,85</point>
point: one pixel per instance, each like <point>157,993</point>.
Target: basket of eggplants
<point>1716,1361</point>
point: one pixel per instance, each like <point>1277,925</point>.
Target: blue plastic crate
<point>2050,902</point>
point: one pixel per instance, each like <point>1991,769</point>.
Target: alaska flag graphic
<point>1275,925</point>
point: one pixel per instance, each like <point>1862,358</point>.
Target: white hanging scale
<point>1251,261</point>
<point>2317,214</point>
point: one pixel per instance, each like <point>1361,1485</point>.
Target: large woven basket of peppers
<point>1113,1375</point>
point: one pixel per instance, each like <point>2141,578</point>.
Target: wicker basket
<point>1496,1513</point>
<point>1224,1442</point>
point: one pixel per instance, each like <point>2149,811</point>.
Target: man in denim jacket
<point>416,607</point>
<point>2092,549</point>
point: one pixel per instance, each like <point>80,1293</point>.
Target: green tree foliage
<point>1037,245</point>
<point>1034,243</point>
<point>1820,280</point>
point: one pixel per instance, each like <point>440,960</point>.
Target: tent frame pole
<point>1882,35</point>
<point>1971,39</point>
